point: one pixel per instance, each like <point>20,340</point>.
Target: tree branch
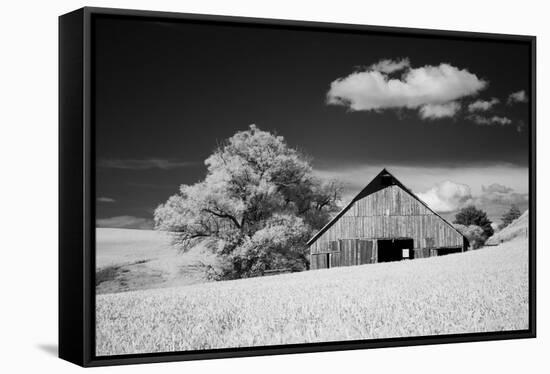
<point>223,215</point>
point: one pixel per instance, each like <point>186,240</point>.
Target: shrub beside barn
<point>384,222</point>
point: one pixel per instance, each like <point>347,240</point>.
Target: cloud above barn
<point>390,66</point>
<point>492,120</point>
<point>447,196</point>
<point>432,90</point>
<point>517,97</point>
<point>482,105</point>
<point>435,111</point>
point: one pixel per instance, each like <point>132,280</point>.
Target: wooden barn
<point>384,222</point>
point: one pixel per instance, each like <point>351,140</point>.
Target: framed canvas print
<point>235,187</point>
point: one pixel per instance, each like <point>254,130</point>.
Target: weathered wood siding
<point>345,252</point>
<point>390,213</point>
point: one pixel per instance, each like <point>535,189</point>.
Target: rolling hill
<point>128,259</point>
<point>517,229</point>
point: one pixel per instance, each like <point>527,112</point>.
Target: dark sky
<point>167,92</point>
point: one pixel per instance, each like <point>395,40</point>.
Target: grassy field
<point>517,229</point>
<point>128,260</point>
<point>478,291</point>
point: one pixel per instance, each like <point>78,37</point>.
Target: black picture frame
<point>77,195</point>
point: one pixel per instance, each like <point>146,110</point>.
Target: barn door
<point>364,252</point>
<point>334,259</point>
<point>351,252</point>
<point>320,261</point>
<point>395,249</point>
<point>348,252</point>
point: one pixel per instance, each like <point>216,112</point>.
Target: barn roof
<point>382,180</point>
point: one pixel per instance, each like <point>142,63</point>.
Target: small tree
<point>470,215</point>
<point>510,216</point>
<point>257,206</point>
<point>474,234</point>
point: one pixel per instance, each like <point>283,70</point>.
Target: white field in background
<point>119,246</point>
<point>144,259</point>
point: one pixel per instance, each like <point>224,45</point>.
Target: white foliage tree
<point>257,206</point>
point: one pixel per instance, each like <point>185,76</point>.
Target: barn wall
<point>390,213</point>
<point>345,252</point>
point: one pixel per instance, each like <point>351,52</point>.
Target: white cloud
<point>435,111</point>
<point>427,86</point>
<point>447,196</point>
<point>517,97</point>
<point>482,105</point>
<point>422,178</point>
<point>126,222</point>
<point>105,200</point>
<point>505,177</point>
<point>494,120</point>
<point>143,164</point>
<point>390,66</point>
<point>501,120</point>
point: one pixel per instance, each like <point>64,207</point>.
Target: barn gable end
<point>386,209</point>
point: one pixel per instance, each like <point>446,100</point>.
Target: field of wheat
<point>129,260</point>
<point>478,291</point>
